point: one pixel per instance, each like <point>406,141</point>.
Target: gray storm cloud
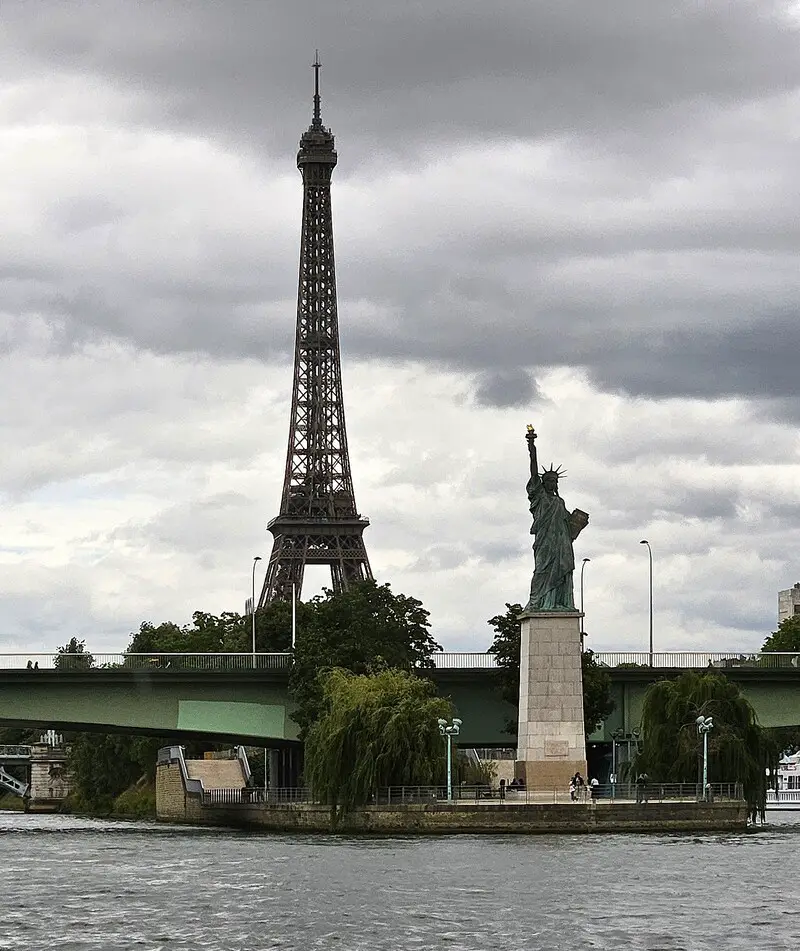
<point>583,213</point>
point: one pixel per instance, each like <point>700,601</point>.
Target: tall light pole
<point>583,630</point>
<point>449,730</point>
<point>253,606</point>
<point>644,541</point>
<point>704,727</point>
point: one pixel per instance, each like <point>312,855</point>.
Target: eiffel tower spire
<point>318,523</point>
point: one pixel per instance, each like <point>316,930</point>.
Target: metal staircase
<point>12,784</point>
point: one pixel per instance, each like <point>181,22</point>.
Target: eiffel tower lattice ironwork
<point>318,522</point>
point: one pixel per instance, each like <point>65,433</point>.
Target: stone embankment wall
<point>171,799</point>
<point>173,804</point>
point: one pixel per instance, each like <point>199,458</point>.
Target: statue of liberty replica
<point>554,531</point>
<point>551,743</point>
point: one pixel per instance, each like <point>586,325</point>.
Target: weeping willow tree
<point>739,750</point>
<point>375,730</point>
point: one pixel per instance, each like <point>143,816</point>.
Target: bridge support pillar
<point>50,782</point>
<point>284,767</point>
<point>551,739</point>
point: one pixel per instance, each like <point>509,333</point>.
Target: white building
<point>789,772</point>
<point>788,602</point>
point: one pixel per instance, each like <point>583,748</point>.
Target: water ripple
<point>81,884</point>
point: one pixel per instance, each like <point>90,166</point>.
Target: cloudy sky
<point>582,215</point>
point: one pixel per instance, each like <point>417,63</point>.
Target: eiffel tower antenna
<point>317,121</point>
<point>318,523</point>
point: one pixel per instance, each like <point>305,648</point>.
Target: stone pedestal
<point>50,782</point>
<point>551,744</point>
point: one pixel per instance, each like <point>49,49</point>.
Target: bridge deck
<point>244,697</point>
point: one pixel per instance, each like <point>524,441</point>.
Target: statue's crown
<point>559,473</point>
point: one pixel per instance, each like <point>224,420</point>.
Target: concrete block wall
<point>170,793</point>
<point>551,745</point>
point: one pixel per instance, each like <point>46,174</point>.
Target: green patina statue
<point>554,530</point>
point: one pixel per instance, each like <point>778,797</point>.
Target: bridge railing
<point>488,795</point>
<point>250,795</point>
<point>443,660</point>
<point>783,797</point>
<point>616,792</point>
<point>137,662</point>
<point>15,751</point>
<point>697,659</point>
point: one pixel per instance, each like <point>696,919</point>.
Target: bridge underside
<point>230,708</point>
<point>773,694</point>
<point>245,706</point>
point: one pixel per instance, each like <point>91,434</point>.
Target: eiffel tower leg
<point>285,569</point>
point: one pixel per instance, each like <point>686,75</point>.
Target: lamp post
<point>583,630</point>
<point>615,736</point>
<point>449,730</point>
<point>704,727</point>
<point>644,541</point>
<point>253,606</point>
<point>294,616</point>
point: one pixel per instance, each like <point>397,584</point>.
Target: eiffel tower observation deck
<point>318,523</point>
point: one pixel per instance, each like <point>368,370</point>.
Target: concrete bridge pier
<point>50,783</point>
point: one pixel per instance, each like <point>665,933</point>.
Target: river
<point>74,883</point>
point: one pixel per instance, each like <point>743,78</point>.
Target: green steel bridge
<point>243,698</point>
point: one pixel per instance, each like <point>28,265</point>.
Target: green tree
<point>207,634</point>
<point>374,730</point>
<point>273,628</point>
<point>786,638</point>
<point>73,656</point>
<point>362,629</point>
<point>506,647</point>
<point>598,703</point>
<point>102,765</point>
<point>211,634</point>
<point>739,750</point>
<point>787,738</point>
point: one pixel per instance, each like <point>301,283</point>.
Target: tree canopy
<point>73,656</point>
<point>739,750</point>
<point>227,633</point>
<point>361,630</point>
<point>597,700</point>
<point>786,638</point>
<point>373,730</point>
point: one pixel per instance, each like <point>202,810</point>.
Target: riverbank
<point>498,819</point>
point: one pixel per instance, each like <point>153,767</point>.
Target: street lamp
<point>644,541</point>
<point>450,730</point>
<point>704,727</point>
<point>615,737</point>
<point>583,631</point>
<point>253,606</point>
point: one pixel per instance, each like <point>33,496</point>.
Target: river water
<point>74,883</point>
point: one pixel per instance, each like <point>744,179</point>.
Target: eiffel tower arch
<point>318,522</point>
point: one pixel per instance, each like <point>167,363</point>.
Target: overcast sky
<point>581,215</point>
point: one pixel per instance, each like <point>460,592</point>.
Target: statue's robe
<point>551,585</point>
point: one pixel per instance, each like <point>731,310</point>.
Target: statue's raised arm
<point>554,530</point>
<point>530,436</point>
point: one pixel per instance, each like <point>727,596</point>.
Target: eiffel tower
<point>318,523</point>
